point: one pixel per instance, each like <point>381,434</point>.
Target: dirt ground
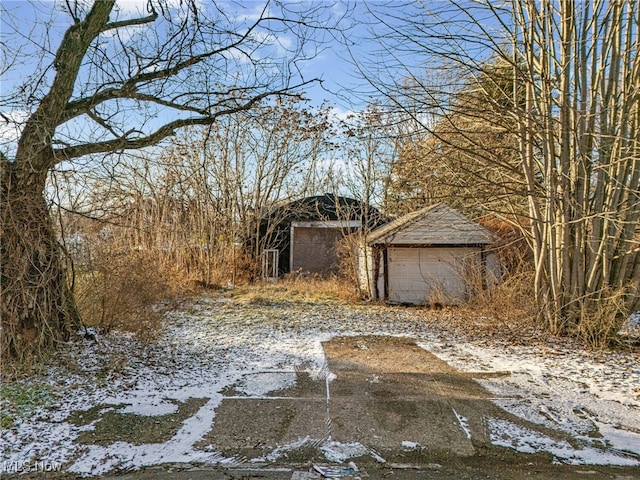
<point>418,418</point>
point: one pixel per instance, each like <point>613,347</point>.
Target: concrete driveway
<point>399,410</point>
<point>391,408</point>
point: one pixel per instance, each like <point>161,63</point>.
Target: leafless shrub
<point>347,253</point>
<point>504,304</point>
<point>438,297</point>
<point>601,323</point>
<point>123,290</point>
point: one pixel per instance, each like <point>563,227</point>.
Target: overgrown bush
<point>124,290</point>
<point>509,307</point>
<point>348,250</point>
<point>599,324</point>
<point>501,299</point>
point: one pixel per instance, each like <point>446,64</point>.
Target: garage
<point>428,275</point>
<point>302,235</point>
<point>426,258</point>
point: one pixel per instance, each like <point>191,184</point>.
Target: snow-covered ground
<point>213,343</point>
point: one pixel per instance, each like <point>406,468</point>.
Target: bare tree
<point>265,156</point>
<point>468,158</point>
<point>231,175</point>
<point>572,105</point>
<point>109,82</point>
<point>369,145</point>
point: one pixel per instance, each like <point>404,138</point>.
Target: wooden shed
<point>302,235</point>
<point>426,257</point>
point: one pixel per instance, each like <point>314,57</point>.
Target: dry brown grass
<point>310,289</point>
<point>599,322</point>
<point>124,290</point>
<point>508,310</point>
<point>500,307</point>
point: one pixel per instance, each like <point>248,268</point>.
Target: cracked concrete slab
<point>254,427</point>
<point>384,393</point>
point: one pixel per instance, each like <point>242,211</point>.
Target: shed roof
<point>436,224</point>
<point>328,207</point>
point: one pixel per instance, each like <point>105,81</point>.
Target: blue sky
<point>27,26</point>
<point>331,64</point>
<point>23,31</point>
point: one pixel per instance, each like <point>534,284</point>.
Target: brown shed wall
<point>313,249</point>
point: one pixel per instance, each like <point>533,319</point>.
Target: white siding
<point>365,271</point>
<point>428,275</point>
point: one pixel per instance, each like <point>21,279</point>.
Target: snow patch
<point>410,445</point>
<point>179,449</point>
<point>509,435</point>
<point>210,346</point>
<point>339,452</point>
<point>463,422</point>
<point>260,383</point>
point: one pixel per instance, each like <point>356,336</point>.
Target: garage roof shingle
<point>436,224</point>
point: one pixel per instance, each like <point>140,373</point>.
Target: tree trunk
<point>37,306</point>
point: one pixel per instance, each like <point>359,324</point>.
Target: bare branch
<point>131,22</point>
<point>114,86</point>
<point>124,143</point>
<point>42,124</point>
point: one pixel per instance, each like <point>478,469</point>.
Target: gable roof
<point>436,224</point>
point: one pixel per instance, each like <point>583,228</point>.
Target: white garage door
<point>428,275</point>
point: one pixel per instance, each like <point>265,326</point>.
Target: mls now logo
<point>30,466</point>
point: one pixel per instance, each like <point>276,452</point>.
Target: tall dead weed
<point>123,290</point>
